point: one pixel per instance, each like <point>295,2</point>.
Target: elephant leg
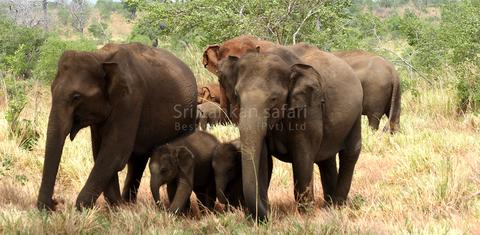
<point>329,176</point>
<point>136,166</point>
<point>302,177</point>
<point>171,189</point>
<point>270,167</point>
<point>207,197</point>
<point>348,159</point>
<point>374,120</point>
<point>112,191</point>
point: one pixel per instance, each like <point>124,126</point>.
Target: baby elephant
<point>209,113</point>
<point>185,165</point>
<point>227,165</point>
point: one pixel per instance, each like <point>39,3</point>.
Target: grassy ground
<point>424,179</point>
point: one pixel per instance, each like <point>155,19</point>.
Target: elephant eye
<point>75,97</point>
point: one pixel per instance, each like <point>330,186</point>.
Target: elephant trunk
<point>221,186</point>
<point>253,127</point>
<point>59,125</point>
<point>155,184</point>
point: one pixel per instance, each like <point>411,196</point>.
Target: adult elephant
<point>302,110</point>
<point>379,79</point>
<point>381,87</point>
<point>133,98</point>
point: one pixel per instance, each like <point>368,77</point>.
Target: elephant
<point>185,165</point>
<point>133,98</point>
<point>210,92</point>
<point>381,87</point>
<point>237,46</point>
<point>209,113</point>
<point>302,110</point>
<point>379,79</point>
<point>227,165</point>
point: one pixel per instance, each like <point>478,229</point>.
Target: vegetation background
<point>423,180</point>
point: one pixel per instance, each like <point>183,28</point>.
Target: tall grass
<point>425,179</point>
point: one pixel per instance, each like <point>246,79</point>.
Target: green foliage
<point>107,7</point>
<point>328,24</point>
<point>468,86</point>
<point>100,31</point>
<point>64,16</point>
<point>22,129</point>
<point>50,52</point>
<point>133,5</point>
<point>19,48</point>
<point>140,38</point>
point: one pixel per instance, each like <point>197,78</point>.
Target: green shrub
<point>468,86</point>
<point>205,22</point>
<point>100,31</point>
<point>140,38</point>
<point>19,48</point>
<point>50,52</point>
<point>21,129</point>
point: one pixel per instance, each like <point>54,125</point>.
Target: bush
<point>100,31</point>
<point>140,38</point>
<point>19,48</point>
<point>205,22</point>
<point>21,129</point>
<point>468,86</point>
<point>50,52</point>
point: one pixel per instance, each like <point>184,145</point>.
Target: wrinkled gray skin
<point>302,110</point>
<point>209,113</point>
<point>127,95</point>
<point>185,165</point>
<point>227,165</point>
<point>380,83</point>
<point>381,87</point>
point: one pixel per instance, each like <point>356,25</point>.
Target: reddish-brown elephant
<point>210,92</point>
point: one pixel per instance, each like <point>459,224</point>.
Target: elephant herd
<point>296,103</point>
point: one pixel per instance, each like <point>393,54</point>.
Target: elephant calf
<point>210,92</point>
<point>185,165</point>
<point>227,165</point>
<point>209,113</point>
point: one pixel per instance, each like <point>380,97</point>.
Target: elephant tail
<point>395,104</point>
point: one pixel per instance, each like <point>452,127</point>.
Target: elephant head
<point>169,163</point>
<point>86,87</point>
<point>268,87</point>
<point>226,163</point>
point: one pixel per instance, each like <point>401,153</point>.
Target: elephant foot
<point>339,202</point>
<point>305,207</point>
<point>52,205</point>
<point>114,203</point>
<point>84,203</point>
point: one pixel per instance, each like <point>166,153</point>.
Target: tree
<point>26,12</point>
<point>79,10</point>
<point>45,14</point>
<point>207,21</point>
<point>133,5</point>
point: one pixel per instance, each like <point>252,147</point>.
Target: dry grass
<point>424,180</point>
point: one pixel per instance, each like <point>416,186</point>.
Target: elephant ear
<point>206,92</point>
<point>211,58</point>
<point>228,76</point>
<point>185,161</point>
<point>305,85</point>
<point>117,75</point>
